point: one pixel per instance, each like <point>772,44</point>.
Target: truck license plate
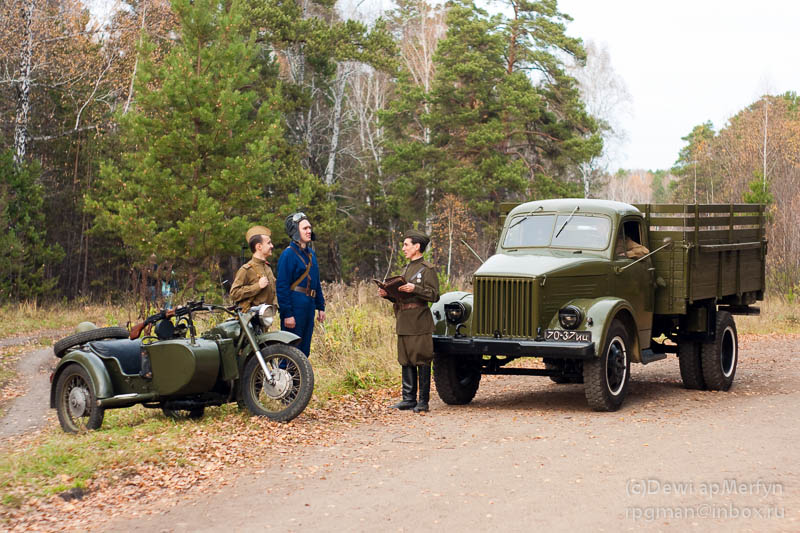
<point>563,335</point>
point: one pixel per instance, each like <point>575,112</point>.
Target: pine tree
<point>203,149</point>
<point>27,254</point>
<point>505,120</point>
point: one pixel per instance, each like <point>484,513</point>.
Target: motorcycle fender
<point>280,336</point>
<point>602,312</point>
<point>94,367</point>
<point>273,337</point>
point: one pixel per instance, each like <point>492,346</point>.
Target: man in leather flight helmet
<point>299,288</point>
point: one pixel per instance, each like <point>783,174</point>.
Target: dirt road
<point>528,454</point>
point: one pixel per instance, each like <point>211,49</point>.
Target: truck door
<point>635,281</point>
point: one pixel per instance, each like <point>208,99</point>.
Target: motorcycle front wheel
<point>290,392</point>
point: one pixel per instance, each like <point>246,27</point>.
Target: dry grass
<point>356,347</point>
<point>29,318</point>
<point>777,316</point>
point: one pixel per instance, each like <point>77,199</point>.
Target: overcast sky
<point>689,61</point>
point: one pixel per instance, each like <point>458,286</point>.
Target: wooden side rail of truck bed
<point>719,254</point>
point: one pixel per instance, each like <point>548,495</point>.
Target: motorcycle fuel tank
<point>180,367</point>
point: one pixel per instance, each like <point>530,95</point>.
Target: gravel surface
<point>31,410</point>
<point>25,339</point>
<point>527,454</point>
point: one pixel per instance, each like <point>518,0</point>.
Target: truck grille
<point>505,305</point>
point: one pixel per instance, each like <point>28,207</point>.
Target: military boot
<point>424,373</point>
<point>409,389</point>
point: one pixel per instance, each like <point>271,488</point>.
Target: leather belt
<point>410,305</point>
<point>311,293</point>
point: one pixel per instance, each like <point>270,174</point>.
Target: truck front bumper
<point>446,345</point>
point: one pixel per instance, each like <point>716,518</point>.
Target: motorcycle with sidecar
<point>174,369</point>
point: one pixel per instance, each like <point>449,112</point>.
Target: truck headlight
<point>455,312</point>
<point>570,317</point>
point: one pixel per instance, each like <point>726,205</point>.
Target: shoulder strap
<point>299,280</point>
<point>420,269</point>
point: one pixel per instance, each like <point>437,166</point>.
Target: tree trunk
<point>343,73</point>
<point>136,62</point>
<point>23,85</point>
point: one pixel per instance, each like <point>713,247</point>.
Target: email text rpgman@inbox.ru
<point>708,490</point>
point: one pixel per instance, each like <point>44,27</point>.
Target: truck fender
<point>94,367</point>
<point>440,324</point>
<point>602,312</point>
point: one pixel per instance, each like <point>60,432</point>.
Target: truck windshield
<point>583,231</point>
<point>529,230</point>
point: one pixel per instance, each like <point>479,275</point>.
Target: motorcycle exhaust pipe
<point>126,400</point>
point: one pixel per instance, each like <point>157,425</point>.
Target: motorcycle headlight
<point>266,315</point>
<point>570,317</point>
<point>455,312</point>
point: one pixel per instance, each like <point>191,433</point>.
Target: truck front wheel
<point>606,378</point>
<point>720,356</point>
<point>457,378</point>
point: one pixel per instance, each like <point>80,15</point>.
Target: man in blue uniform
<point>298,286</point>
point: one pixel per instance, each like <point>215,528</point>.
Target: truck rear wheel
<point>606,378</point>
<point>691,364</point>
<point>457,378</point>
<point>720,356</point>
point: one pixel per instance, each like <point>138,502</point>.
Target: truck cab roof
<point>567,205</point>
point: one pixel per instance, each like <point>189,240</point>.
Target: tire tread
<point>448,386</point>
<point>60,347</point>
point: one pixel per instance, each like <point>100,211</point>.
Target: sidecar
<point>100,370</point>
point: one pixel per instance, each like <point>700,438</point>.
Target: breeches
<point>414,350</point>
<point>303,308</point>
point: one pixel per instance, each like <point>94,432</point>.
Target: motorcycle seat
<point>127,352</point>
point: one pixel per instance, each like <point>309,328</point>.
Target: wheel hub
<point>283,382</point>
<point>78,402</point>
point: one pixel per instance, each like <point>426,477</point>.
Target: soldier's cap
<point>418,235</point>
<point>257,230</point>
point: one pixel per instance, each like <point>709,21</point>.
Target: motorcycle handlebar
<point>190,307</point>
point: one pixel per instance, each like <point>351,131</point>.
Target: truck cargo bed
<point>718,253</point>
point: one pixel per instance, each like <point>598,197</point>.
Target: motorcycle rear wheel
<point>76,401</point>
<point>291,392</point>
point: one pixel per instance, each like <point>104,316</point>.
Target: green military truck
<point>591,286</point>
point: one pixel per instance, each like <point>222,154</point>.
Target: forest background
<point>140,150</point>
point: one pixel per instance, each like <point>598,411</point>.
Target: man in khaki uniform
<point>414,322</point>
<point>255,283</point>
<point>634,250</point>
